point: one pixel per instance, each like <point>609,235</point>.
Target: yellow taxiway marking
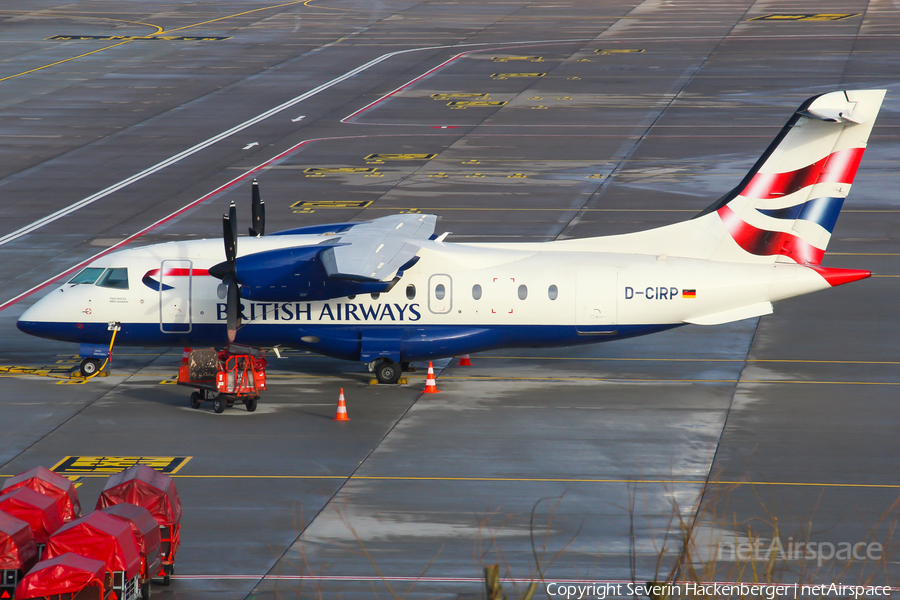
<point>247,12</point>
<point>159,31</point>
<point>528,480</point>
<point>59,62</point>
<point>85,18</point>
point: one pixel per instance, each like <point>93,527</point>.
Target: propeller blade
<point>258,214</point>
<point>233,309</point>
<point>232,217</point>
<point>230,238</point>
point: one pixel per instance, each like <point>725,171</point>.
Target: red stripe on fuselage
<point>178,273</point>
<point>837,167</point>
<point>768,243</point>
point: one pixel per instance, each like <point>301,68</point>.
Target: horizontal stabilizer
<point>376,250</point>
<point>735,314</point>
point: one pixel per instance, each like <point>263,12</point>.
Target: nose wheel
<point>89,366</point>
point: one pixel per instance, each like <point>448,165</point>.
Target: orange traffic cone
<point>185,356</point>
<point>342,408</point>
<point>464,361</point>
<point>430,386</point>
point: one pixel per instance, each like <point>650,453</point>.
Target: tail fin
<point>786,207</point>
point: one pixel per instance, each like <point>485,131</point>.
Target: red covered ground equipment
<point>66,577</point>
<point>39,511</point>
<point>155,491</point>
<point>102,537</point>
<point>236,374</point>
<point>44,481</point>
<point>18,553</point>
<point>146,534</point>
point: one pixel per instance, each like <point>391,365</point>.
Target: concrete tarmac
<point>570,120</point>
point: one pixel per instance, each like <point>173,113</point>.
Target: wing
<point>375,250</point>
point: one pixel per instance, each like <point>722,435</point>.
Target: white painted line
<point>63,212</point>
<point>250,145</point>
<point>300,118</point>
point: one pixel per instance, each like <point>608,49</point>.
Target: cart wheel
<point>251,404</point>
<point>195,400</point>
<point>219,404</point>
<point>89,366</point>
<point>145,590</point>
<point>169,570</point>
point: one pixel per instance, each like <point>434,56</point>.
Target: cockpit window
<point>88,275</point>
<point>114,278</point>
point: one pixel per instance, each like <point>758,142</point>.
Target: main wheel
<point>251,404</point>
<point>89,366</point>
<point>195,400</point>
<point>219,404</point>
<point>387,372</point>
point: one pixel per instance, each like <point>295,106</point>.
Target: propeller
<point>227,272</point>
<point>258,213</point>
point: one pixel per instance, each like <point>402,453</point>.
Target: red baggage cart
<point>100,536</point>
<point>18,553</point>
<point>236,374</point>
<point>66,577</point>
<point>39,511</point>
<point>146,534</point>
<point>156,492</point>
<point>44,481</point>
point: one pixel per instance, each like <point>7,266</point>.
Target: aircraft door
<point>595,296</point>
<point>175,282</point>
<point>440,296</point>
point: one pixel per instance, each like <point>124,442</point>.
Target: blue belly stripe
<point>418,342</point>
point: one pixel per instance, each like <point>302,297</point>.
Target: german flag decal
<point>688,293</point>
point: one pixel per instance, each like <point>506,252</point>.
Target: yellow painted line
<point>886,276</point>
<point>59,62</point>
<point>303,2</point>
<point>528,480</point>
<point>84,18</point>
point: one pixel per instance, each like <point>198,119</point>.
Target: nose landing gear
<point>89,366</point>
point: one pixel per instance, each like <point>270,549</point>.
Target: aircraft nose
<point>39,316</point>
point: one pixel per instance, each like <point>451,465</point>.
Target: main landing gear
<point>387,371</point>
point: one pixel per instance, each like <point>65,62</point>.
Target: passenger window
<point>523,292</point>
<point>88,275</point>
<point>553,292</point>
<point>440,291</point>
<point>114,278</point>
<point>375,295</point>
<point>410,292</point>
<point>476,291</point>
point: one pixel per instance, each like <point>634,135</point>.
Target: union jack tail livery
<point>786,206</point>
